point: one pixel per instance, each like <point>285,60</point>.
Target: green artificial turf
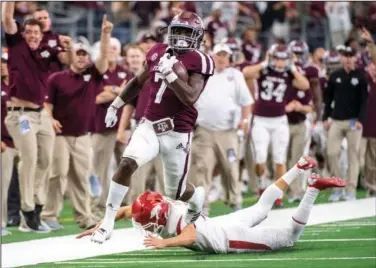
<point>70,227</point>
<point>358,250</point>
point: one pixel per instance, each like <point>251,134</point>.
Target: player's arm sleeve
<point>51,94</point>
<point>51,88</point>
<point>187,237</point>
<point>328,98</point>
<point>244,97</point>
<point>13,39</point>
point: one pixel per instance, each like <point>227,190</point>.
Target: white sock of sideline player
<point>262,182</point>
<point>301,215</point>
<point>115,197</point>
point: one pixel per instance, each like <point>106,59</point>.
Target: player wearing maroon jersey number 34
<point>166,128</point>
<point>275,77</point>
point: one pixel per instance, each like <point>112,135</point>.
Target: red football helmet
<point>185,32</point>
<point>279,57</point>
<point>332,61</point>
<point>149,212</point>
<point>301,51</point>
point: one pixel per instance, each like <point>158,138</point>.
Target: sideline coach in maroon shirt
<point>71,103</point>
<point>28,124</point>
<point>103,138</point>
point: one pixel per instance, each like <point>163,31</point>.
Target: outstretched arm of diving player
<point>187,237</point>
<point>123,213</point>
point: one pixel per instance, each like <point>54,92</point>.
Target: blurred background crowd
<point>321,24</point>
<point>247,28</point>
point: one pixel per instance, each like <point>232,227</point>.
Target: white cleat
<point>195,206</point>
<point>102,234</point>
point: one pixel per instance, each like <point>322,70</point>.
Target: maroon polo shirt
<point>369,126</point>
<point>5,137</point>
<point>51,39</point>
<point>28,69</point>
<point>141,101</point>
<point>305,98</point>
<point>217,30</point>
<point>110,78</point>
<point>252,52</point>
<point>73,98</point>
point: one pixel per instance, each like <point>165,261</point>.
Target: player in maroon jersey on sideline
<point>275,77</point>
<point>168,121</point>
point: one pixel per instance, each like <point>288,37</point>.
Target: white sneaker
<point>349,197</point>
<point>103,233</point>
<point>195,206</point>
<point>336,195</point>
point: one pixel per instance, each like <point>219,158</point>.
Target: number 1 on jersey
<point>162,88</point>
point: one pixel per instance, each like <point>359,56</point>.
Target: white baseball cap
<point>81,46</point>
<point>222,47</point>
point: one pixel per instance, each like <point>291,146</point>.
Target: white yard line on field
<point>125,240</point>
<point>108,261</point>
<point>336,240</point>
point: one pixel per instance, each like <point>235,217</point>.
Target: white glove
<point>292,67</point>
<point>165,63</point>
<point>111,117</point>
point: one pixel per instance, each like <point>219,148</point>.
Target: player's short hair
<point>33,21</point>
<point>132,46</point>
<point>40,9</point>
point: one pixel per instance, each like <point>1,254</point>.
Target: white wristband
<point>293,68</point>
<point>264,64</point>
<point>118,103</point>
<point>171,77</point>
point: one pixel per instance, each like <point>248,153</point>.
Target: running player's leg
<point>175,154</point>
<point>260,143</point>
<point>252,216</point>
<point>142,148</point>
<point>280,137</point>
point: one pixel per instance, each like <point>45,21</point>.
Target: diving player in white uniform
<point>236,232</point>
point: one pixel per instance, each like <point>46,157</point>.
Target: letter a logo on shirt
<point>87,77</point>
<point>45,54</point>
<point>354,81</point>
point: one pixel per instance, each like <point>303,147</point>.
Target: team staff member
<point>369,133</point>
<point>104,139</point>
<point>8,152</point>
<point>50,38</point>
<point>299,104</point>
<point>27,122</point>
<point>345,103</point>
<point>135,59</point>
<point>215,139</point>
<point>71,104</point>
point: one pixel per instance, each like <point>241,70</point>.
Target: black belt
<point>25,109</point>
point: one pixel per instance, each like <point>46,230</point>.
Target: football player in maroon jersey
<point>309,70</point>
<point>169,117</point>
<point>275,77</point>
